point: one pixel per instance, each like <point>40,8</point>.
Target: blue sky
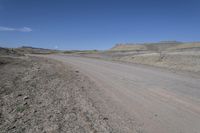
<point>96,24</point>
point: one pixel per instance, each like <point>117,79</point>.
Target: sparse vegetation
<point>81,52</point>
<point>20,108</point>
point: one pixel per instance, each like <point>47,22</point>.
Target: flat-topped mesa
<point>158,46</point>
<point>128,47</point>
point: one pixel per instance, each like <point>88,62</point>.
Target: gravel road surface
<point>138,98</point>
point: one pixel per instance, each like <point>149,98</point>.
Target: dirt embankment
<point>172,55</point>
<point>186,61</point>
<point>40,95</point>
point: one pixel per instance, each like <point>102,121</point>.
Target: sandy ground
<point>142,99</point>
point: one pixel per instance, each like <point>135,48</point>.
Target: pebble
<point>77,71</point>
<point>19,95</point>
<point>26,97</point>
<point>105,118</point>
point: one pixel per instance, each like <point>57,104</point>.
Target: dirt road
<point>143,98</point>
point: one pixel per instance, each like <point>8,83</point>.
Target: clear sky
<point>96,24</point>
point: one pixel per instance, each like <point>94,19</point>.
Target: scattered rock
<point>105,118</point>
<point>25,98</point>
<point>13,127</point>
<point>51,101</point>
<point>25,103</point>
<point>19,95</point>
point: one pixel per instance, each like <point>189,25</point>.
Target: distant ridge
<point>170,42</point>
<point>30,47</point>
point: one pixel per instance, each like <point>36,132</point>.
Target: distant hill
<point>33,50</point>
<point>159,46</point>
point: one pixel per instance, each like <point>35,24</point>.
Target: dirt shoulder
<point>43,95</point>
